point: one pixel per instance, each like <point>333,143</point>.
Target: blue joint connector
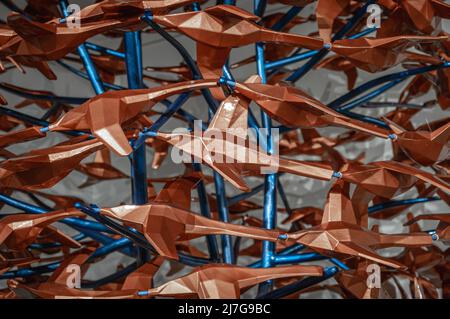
<point>148,14</point>
<point>224,81</point>
<point>142,293</point>
<point>434,235</point>
<point>95,208</point>
<point>392,136</point>
<point>283,237</point>
<point>44,129</point>
<point>337,175</point>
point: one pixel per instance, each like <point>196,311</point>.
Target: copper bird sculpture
<point>168,219</point>
<point>224,281</point>
<point>340,234</point>
<point>21,230</point>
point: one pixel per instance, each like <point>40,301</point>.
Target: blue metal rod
<point>222,207</point>
<point>85,57</point>
<point>133,61</point>
<point>23,117</point>
<point>300,285</point>
<point>299,73</point>
<point>367,119</point>
<point>283,196</point>
<point>31,271</point>
<point>44,97</point>
<point>240,197</point>
<point>286,251</point>
<point>171,110</point>
<point>371,95</point>
<point>190,63</point>
<point>289,60</point>
<point>403,202</point>
<point>386,78</point>
<point>286,18</point>
<point>303,56</point>
<point>270,182</point>
<point>81,223</point>
<point>39,246</point>
<point>211,240</point>
<point>115,245</point>
<point>297,258</point>
<point>105,50</point>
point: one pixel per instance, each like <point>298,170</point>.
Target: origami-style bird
<point>443,228</point>
<point>221,281</point>
<point>205,282</point>
<point>388,178</point>
<point>56,286</point>
<point>34,42</point>
<point>294,108</point>
<point>225,147</point>
<point>208,26</point>
<point>168,219</point>
<point>378,54</point>
<point>21,136</point>
<point>436,143</point>
<point>20,230</point>
<point>340,234</point>
<point>104,114</point>
<point>230,159</point>
<point>422,15</point>
<point>220,28</point>
<point>46,167</point>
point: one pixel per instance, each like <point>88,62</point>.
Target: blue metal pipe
<point>31,271</point>
<point>190,63</point>
<point>211,240</point>
<point>403,202</point>
<point>286,18</point>
<point>339,263</point>
<point>283,196</point>
<point>291,59</point>
<point>171,110</point>
<point>366,118</point>
<point>44,97</point>
<point>300,285</point>
<point>85,57</point>
<point>286,251</point>
<point>237,198</point>
<point>222,207</point>
<point>297,258</point>
<point>75,222</point>
<point>299,73</point>
<point>133,61</point>
<point>371,95</point>
<point>386,78</point>
<point>270,182</point>
<point>105,50</point>
<point>40,246</point>
<point>303,56</point>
